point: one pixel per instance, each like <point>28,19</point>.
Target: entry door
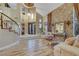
<point>31,28</point>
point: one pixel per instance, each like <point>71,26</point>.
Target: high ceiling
<point>45,8</point>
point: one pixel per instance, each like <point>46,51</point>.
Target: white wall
<point>7,38</point>
<point>14,13</point>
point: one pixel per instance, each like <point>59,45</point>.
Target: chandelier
<point>29,5</point>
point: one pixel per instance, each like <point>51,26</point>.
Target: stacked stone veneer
<point>62,14</point>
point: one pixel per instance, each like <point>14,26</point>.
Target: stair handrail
<point>9,18</point>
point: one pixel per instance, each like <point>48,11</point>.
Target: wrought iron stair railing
<point>8,23</point>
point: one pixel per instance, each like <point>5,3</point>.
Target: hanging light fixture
<point>29,5</point>
<point>29,12</point>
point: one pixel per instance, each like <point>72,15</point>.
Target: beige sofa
<point>65,49</point>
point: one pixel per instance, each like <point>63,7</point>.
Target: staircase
<point>7,39</point>
<point>9,32</point>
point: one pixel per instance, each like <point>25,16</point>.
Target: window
<point>59,27</point>
<point>40,23</point>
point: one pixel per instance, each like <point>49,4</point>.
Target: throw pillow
<point>76,43</point>
<point>70,41</point>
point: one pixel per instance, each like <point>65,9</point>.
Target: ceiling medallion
<point>29,5</point>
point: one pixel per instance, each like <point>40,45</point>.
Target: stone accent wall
<point>62,14</point>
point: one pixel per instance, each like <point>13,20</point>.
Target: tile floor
<point>29,47</point>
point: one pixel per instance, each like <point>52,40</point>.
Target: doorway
<point>31,28</point>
